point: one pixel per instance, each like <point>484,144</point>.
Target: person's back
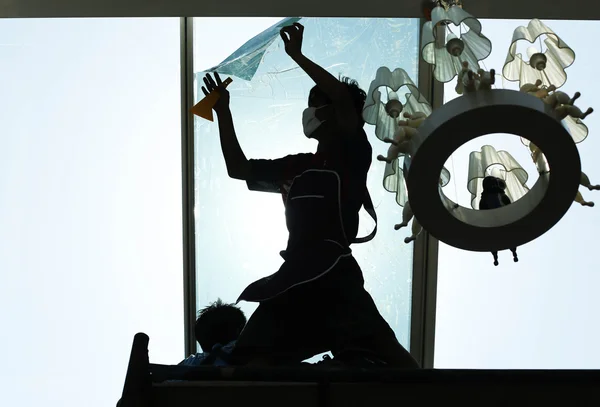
<point>217,329</point>
<point>336,176</point>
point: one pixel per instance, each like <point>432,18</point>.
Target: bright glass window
<point>239,233</point>
<point>539,312</point>
<point>90,174</point>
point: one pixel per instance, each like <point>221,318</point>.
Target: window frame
<point>425,252</point>
<point>507,9</point>
<point>188,181</point>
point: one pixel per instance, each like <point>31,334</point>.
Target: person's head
<point>218,323</point>
<point>318,119</point>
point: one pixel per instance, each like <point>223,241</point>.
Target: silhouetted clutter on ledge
<point>328,386</point>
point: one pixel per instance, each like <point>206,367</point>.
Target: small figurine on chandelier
<point>581,201</point>
<point>563,105</point>
<point>485,79</point>
<point>407,216</point>
<point>407,129</point>
<point>536,89</point>
<point>561,102</point>
<point>465,74</point>
<point>469,81</point>
<point>494,196</point>
<point>585,181</point>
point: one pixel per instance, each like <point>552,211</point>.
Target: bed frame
<point>151,385</point>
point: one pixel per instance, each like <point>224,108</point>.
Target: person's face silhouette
<point>324,112</point>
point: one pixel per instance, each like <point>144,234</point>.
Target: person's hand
<point>292,39</point>
<point>211,84</point>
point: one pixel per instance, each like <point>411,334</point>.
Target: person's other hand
<point>216,84</point>
<point>292,39</point>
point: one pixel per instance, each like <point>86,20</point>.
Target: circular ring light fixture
<point>477,114</point>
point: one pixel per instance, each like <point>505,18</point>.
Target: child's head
<point>218,323</point>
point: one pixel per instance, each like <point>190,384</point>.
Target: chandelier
<point>451,38</point>
<point>505,212</point>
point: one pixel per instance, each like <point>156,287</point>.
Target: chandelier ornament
<point>453,37</point>
<point>504,211</point>
<point>498,164</point>
<point>394,181</point>
<point>564,108</point>
<point>546,65</point>
<point>473,115</point>
<point>385,115</point>
<point>395,123</point>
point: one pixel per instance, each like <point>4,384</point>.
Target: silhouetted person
<point>217,328</point>
<point>316,302</point>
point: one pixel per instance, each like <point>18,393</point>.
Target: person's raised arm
<point>237,164</point>
<point>336,91</point>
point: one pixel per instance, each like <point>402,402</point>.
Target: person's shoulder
<point>298,162</point>
<point>194,360</point>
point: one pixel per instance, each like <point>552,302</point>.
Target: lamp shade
<point>576,128</point>
<point>394,178</point>
<point>558,56</point>
<point>499,164</point>
<point>475,46</point>
<point>398,84</point>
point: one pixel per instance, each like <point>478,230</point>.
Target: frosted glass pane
<point>538,313</point>
<point>90,213</point>
<point>239,233</point>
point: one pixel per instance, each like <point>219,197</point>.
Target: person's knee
<point>388,349</point>
<point>397,356</point>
